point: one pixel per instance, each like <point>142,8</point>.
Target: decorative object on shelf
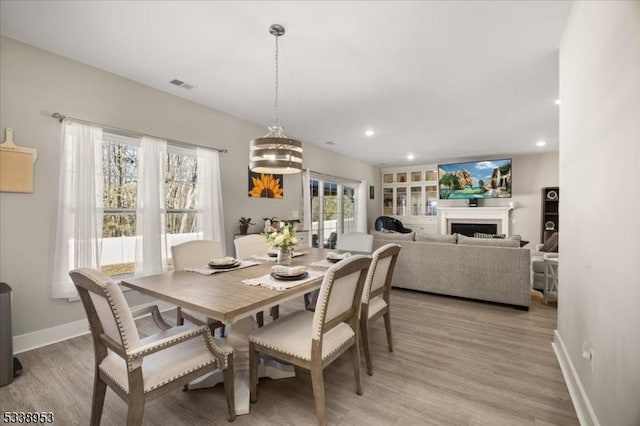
<point>244,225</point>
<point>16,165</point>
<point>552,195</point>
<point>275,152</point>
<point>549,225</point>
<point>263,185</point>
<point>284,239</point>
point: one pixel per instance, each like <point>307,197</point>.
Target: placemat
<point>270,282</point>
<point>268,258</point>
<point>209,271</point>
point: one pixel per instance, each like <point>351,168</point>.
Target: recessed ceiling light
<point>369,133</point>
<point>558,101</point>
<point>541,143</point>
<point>410,157</point>
<point>330,142</point>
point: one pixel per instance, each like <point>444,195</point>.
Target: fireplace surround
<point>493,216</point>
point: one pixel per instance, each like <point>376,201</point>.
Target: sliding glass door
<point>333,210</point>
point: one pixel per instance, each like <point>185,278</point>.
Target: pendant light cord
<point>275,106</point>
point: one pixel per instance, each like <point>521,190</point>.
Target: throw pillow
<point>378,235</point>
<point>431,238</point>
<point>491,242</point>
<point>551,245</point>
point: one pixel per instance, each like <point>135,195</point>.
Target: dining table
<point>222,295</point>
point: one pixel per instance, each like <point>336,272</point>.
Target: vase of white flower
<point>284,239</point>
<point>284,256</point>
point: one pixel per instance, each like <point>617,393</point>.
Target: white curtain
<point>79,221</point>
<point>151,213</point>
<point>306,203</point>
<point>361,210</point>
<point>209,201</point>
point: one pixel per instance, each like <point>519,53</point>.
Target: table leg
<point>238,338</point>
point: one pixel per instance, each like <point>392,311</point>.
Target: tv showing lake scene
<point>475,179</point>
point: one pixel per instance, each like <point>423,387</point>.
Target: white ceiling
<point>436,79</point>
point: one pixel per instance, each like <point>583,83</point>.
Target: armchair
<point>136,369</point>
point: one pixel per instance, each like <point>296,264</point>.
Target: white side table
<point>551,262</point>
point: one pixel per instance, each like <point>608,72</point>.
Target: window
<point>120,158</point>
<point>124,201</point>
<point>333,211</point>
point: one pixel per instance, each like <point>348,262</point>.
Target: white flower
<point>278,240</point>
<point>294,240</point>
<point>281,225</point>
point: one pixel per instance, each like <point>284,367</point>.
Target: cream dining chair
<point>355,241</point>
<point>194,254</point>
<point>247,247</point>
<point>314,340</point>
<point>136,369</point>
<point>375,297</point>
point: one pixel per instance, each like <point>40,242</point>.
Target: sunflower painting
<point>265,185</point>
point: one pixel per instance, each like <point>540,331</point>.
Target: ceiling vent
<point>182,84</point>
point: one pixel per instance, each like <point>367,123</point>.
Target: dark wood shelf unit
<point>550,217</point>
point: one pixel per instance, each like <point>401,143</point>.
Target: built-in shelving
<point>550,216</point>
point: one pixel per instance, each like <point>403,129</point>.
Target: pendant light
<point>275,152</point>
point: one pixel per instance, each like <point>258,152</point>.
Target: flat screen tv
<point>475,179</point>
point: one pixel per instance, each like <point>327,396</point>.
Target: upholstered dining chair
<point>136,369</point>
<point>375,297</point>
<point>192,254</point>
<point>356,241</point>
<point>247,247</point>
<point>313,340</point>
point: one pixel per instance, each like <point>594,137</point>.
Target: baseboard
<point>580,399</point>
<point>37,339</point>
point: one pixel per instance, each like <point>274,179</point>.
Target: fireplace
<point>469,229</point>
<point>494,218</point>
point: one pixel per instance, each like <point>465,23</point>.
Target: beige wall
<point>599,208</point>
<point>32,81</point>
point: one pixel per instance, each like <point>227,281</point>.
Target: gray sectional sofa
<point>489,270</point>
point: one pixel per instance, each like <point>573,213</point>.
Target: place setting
<point>284,277</point>
<point>222,264</point>
<point>272,255</point>
<point>331,259</point>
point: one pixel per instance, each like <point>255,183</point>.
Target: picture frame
<point>372,192</point>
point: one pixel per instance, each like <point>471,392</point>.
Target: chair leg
<point>317,381</point>
<point>355,357</point>
<point>99,391</point>
<point>260,318</point>
<point>229,389</point>
<point>253,372</point>
<point>387,327</point>
<point>364,332</point>
<point>275,312</point>
<point>179,317</point>
<point>136,409</point>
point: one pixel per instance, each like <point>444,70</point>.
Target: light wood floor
<point>456,362</point>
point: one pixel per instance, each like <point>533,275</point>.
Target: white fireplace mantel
<point>475,214</point>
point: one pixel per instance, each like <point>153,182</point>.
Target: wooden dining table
<point>224,297</point>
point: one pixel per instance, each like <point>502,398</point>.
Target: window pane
<point>349,209</point>
<point>330,213</point>
<point>315,214</point>
<point>181,180</point>
<point>182,223</point>
<point>120,170</point>
<point>118,244</point>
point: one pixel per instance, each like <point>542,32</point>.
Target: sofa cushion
<point>432,238</point>
<point>551,245</point>
<point>379,235</point>
<point>513,241</point>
